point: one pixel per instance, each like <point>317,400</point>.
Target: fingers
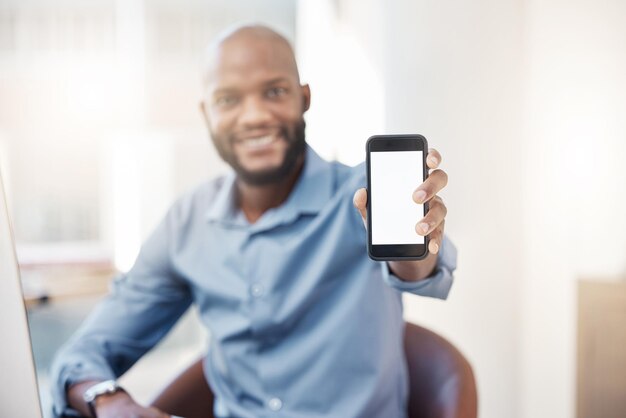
<point>153,412</point>
<point>360,202</point>
<point>433,159</point>
<point>436,238</point>
<point>134,410</point>
<point>162,414</point>
<point>156,413</point>
<point>435,216</point>
<point>433,224</point>
<point>436,181</point>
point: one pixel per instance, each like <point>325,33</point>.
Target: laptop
<point>19,394</point>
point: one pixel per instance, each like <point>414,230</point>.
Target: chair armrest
<point>441,380</point>
<point>189,395</point>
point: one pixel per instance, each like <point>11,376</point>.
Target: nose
<point>254,113</point>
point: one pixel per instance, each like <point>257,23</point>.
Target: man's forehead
<point>248,52</point>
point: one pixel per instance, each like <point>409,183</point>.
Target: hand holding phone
<point>431,225</point>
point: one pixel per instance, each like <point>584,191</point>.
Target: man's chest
<point>274,272</point>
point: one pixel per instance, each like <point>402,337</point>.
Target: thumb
<point>360,202</point>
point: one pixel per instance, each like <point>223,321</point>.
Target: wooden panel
<point>601,350</point>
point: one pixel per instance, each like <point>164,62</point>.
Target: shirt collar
<point>312,190</point>
<point>223,208</point>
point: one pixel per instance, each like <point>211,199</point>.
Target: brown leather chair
<point>442,383</point>
<point>441,380</point>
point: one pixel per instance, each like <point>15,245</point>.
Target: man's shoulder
<point>350,177</point>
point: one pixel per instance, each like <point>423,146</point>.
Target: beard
<point>296,146</point>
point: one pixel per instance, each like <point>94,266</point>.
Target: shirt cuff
<point>438,284</point>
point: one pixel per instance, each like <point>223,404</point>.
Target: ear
<point>306,97</point>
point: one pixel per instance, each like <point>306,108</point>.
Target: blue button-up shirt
<point>302,322</point>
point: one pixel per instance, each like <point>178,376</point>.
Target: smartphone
<point>396,166</point>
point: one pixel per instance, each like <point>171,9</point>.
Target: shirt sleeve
<point>143,306</point>
<point>436,285</point>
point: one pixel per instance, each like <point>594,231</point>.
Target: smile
<point>258,142</point>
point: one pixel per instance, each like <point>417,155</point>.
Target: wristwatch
<point>108,387</point>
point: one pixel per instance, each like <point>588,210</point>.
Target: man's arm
<point>437,284</point>
<point>144,304</point>
<point>75,397</point>
<point>117,405</point>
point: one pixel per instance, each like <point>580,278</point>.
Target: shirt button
<point>275,404</point>
<point>257,290</point>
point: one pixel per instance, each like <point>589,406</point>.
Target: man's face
<point>254,108</point>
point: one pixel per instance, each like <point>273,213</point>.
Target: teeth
<point>257,142</point>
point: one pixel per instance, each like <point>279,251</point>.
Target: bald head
<point>246,45</point>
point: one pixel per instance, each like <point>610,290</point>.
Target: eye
<point>225,101</point>
<point>276,92</point>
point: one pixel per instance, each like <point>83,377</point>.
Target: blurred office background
<point>525,99</point>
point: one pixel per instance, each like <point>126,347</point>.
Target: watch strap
<point>108,387</point>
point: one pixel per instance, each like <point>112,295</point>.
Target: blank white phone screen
<point>394,177</point>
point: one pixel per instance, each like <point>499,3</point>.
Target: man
<point>302,322</point>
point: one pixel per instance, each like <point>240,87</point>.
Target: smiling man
<point>302,322</point>
<point>254,111</point>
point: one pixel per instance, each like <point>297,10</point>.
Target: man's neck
<point>254,201</point>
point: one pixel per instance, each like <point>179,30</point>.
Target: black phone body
<point>396,166</point>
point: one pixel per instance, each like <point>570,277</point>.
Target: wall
<point>574,181</point>
<point>86,88</point>
<point>342,64</point>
